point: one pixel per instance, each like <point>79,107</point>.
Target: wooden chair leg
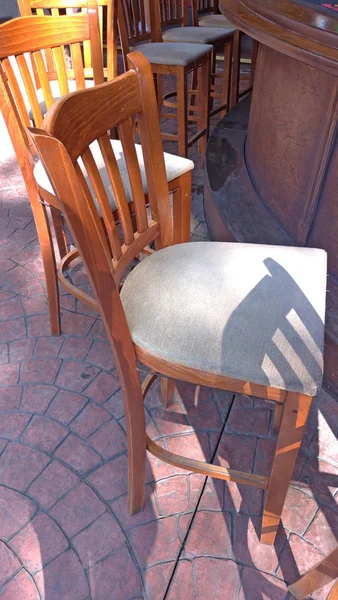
<point>253,61</point>
<point>203,106</point>
<point>314,579</point>
<point>158,79</point>
<point>167,391</point>
<point>295,413</point>
<point>193,97</point>
<point>49,264</point>
<point>181,208</point>
<point>213,79</point>
<point>136,436</point>
<point>59,231</point>
<point>277,418</point>
<point>235,68</point>
<point>226,80</point>
<point>182,113</point>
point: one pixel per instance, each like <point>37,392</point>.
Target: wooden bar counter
<point>272,162</point>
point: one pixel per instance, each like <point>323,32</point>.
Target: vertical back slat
<point>30,89</point>
<point>39,65</point>
<point>100,11</point>
<point>60,65</point>
<point>16,92</point>
<point>142,17</point>
<point>95,48</point>
<point>125,130</point>
<point>76,54</point>
<point>102,199</point>
<point>118,189</point>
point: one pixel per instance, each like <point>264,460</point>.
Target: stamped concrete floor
<point>64,528</point>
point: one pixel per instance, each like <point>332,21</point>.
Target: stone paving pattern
<point>64,527</point>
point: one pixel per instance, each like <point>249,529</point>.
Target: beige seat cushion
<point>214,21</point>
<point>251,312</point>
<point>197,35</point>
<point>175,167</point>
<point>160,53</point>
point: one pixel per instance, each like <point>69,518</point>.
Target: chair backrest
<point>70,127</point>
<point>173,12</point>
<point>85,117</point>
<point>134,21</point>
<point>107,17</point>
<point>22,45</point>
<point>206,6</point>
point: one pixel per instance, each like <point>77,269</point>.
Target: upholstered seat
<point>178,54</point>
<point>214,21</point>
<point>197,35</point>
<point>249,312</point>
<point>175,167</point>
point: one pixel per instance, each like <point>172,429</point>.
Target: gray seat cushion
<point>197,35</point>
<point>250,312</point>
<point>214,21</point>
<point>180,55</point>
<point>175,167</point>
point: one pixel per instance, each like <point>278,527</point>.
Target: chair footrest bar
<point>199,466</point>
<point>72,289</point>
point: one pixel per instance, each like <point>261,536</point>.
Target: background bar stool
<point>177,59</point>
<point>173,17</point>
<point>206,14</point>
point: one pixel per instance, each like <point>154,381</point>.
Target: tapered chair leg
<point>182,113</point>
<point>226,80</point>
<point>167,391</point>
<point>203,106</point>
<point>235,69</point>
<point>49,264</point>
<point>136,435</point>
<point>181,208</point>
<point>295,413</point>
<point>277,418</point>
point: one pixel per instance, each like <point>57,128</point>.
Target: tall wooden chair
<point>240,317</point>
<point>173,19</point>
<point>205,13</point>
<point>69,7</point>
<point>26,93</point>
<point>179,59</point>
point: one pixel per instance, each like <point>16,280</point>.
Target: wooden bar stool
<point>179,60</point>
<point>173,17</point>
<point>34,72</point>
<point>240,317</point>
<point>206,14</point>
